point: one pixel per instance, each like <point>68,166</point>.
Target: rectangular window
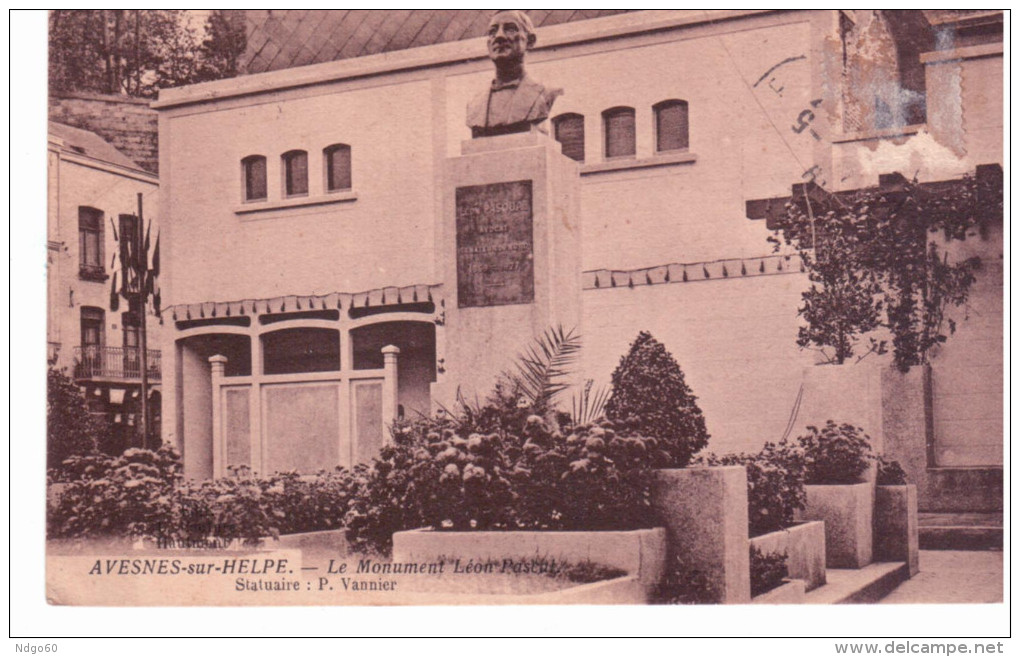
<point>295,166</point>
<point>620,132</point>
<point>338,167</point>
<point>254,178</point>
<point>90,242</point>
<point>91,327</point>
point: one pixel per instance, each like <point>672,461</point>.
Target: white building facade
<point>303,222</point>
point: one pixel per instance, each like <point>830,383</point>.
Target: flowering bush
<point>127,495</point>
<point>434,476</point>
<point>140,494</point>
<point>836,454</point>
<point>775,484</point>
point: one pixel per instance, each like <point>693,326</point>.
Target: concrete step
<point>960,531</point>
<point>858,586</point>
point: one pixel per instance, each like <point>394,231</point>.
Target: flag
<point>145,246</point>
<point>155,258</point>
<point>114,295</point>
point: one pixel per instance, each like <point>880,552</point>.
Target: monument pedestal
<point>510,248</point>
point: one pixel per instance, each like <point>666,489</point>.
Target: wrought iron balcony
<point>120,363</point>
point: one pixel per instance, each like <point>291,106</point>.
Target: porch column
<point>389,396</point>
<point>217,365</point>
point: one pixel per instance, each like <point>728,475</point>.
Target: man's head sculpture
<point>511,34</point>
<point>513,102</point>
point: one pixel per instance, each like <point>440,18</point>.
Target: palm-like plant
<point>589,406</point>
<point>543,370</point>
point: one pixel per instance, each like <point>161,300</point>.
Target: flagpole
<point>142,265</point>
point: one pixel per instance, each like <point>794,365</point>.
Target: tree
<point>223,46</point>
<point>874,262</point>
<point>138,52</point>
<point>651,397</point>
<point>71,429</point>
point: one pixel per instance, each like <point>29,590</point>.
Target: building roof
<point>91,145</point>
<point>438,54</point>
<point>279,39</point>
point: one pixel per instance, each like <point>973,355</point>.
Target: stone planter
<point>895,525</point>
<point>846,510</point>
<point>332,541</point>
<point>804,545</point>
<point>705,514</point>
<point>641,552</point>
<point>619,591</point>
<point>791,592</point>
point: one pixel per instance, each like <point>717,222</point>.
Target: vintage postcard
<point>572,307</point>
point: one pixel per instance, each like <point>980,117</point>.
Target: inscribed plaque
<point>495,249</point>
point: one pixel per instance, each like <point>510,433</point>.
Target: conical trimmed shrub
<point>651,397</point>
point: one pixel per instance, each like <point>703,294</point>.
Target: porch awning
<point>384,296</point>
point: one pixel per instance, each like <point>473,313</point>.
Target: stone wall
<point>125,122</point>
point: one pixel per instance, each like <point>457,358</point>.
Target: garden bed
<point>640,553</point>
<point>619,590</point>
<point>804,546</point>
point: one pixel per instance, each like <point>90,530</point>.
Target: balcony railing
<point>114,363</point>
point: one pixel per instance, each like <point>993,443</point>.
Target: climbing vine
<point>877,259</point>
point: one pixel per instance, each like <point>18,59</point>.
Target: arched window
<point>618,123</point>
<point>672,127</point>
<point>254,171</point>
<point>338,167</point>
<point>295,173</point>
<point>569,131</point>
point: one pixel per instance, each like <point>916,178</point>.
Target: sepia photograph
<point>670,308</point>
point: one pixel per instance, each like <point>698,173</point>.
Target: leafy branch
<point>874,262</point>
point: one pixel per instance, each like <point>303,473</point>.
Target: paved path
<point>949,576</point>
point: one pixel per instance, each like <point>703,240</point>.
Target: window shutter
<point>620,137</point>
<point>671,126</point>
<point>569,130</point>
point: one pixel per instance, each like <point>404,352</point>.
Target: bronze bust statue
<point>514,102</point>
